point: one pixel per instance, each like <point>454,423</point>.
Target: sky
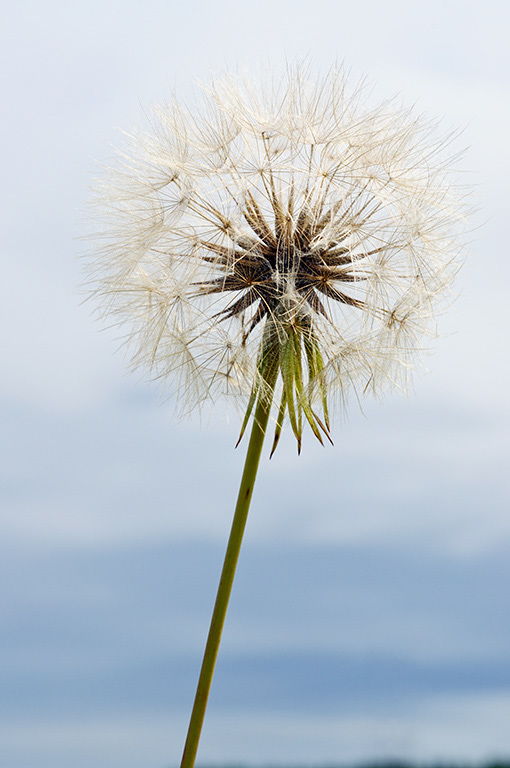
<point>370,615</point>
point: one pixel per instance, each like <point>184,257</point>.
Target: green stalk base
<point>260,421</point>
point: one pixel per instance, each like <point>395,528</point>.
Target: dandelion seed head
<point>285,222</point>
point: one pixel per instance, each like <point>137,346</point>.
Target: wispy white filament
<point>182,186</point>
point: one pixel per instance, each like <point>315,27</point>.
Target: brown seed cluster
<point>278,262</point>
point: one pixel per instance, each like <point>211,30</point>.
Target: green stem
<point>227,577</point>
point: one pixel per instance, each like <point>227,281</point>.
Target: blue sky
<point>370,616</point>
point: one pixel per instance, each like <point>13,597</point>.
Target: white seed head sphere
<point>282,214</point>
